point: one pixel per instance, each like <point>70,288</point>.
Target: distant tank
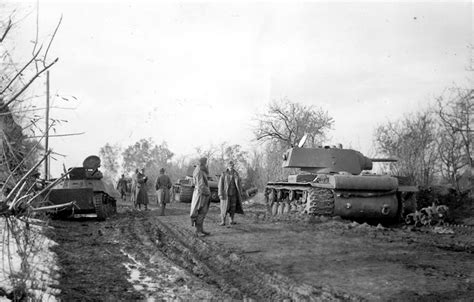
<point>85,188</point>
<point>331,183</point>
<point>183,188</point>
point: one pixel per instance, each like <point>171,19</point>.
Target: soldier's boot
<point>223,219</point>
<point>197,233</point>
<point>196,224</point>
<point>232,221</point>
<point>200,229</point>
<point>162,212</point>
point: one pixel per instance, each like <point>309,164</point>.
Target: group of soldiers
<point>229,190</point>
<point>138,191</point>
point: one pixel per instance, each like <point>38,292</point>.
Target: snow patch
<point>139,281</point>
<point>40,272</point>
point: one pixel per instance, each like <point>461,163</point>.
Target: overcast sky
<point>194,74</point>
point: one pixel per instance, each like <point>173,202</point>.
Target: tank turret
<point>329,160</point>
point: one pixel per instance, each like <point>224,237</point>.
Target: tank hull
<point>88,196</point>
<point>381,207</point>
<point>354,197</point>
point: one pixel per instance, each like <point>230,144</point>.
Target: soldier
<point>163,186</point>
<point>200,200</point>
<point>133,189</point>
<point>122,187</point>
<point>230,193</point>
<point>142,194</point>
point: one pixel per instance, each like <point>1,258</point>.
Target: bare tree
<point>413,141</point>
<point>286,122</point>
<point>16,80</point>
<point>455,111</point>
<point>110,155</point>
<point>20,156</point>
<point>146,154</point>
<point>218,156</point>
<point>255,171</point>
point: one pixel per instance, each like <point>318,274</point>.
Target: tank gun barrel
<point>384,160</point>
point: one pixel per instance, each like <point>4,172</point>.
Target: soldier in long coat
<point>200,200</point>
<point>230,194</point>
<point>142,194</point>
<point>163,186</point>
<point>133,189</point>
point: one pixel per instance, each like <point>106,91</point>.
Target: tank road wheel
<point>286,207</point>
<point>99,207</point>
<point>274,208</point>
<point>280,206</point>
<point>271,201</point>
<point>304,196</point>
<point>272,196</point>
<point>291,195</point>
<point>292,199</point>
<point>279,195</point>
<point>319,201</point>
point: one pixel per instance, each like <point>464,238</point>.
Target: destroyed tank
<point>84,187</point>
<point>331,183</point>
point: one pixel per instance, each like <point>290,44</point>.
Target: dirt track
<point>139,255</point>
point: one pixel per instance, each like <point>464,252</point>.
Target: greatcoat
<point>163,186</point>
<point>223,190</point>
<point>133,189</point>
<point>142,194</point>
<point>122,185</point>
<point>201,193</point>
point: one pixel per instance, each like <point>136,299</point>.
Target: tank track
<point>99,207</point>
<point>105,206</point>
<point>312,201</point>
<point>320,201</point>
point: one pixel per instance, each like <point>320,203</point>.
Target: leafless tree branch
<point>7,29</point>
<point>51,40</point>
<point>21,71</point>
<point>28,84</point>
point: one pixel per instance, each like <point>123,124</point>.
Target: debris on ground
<point>427,216</point>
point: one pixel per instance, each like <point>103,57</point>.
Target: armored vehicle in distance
<point>331,183</point>
<point>182,190</point>
<point>84,187</point>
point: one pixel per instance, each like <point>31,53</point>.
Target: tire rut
<point>224,271</point>
<point>168,280</point>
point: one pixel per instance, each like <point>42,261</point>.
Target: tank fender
<point>366,182</point>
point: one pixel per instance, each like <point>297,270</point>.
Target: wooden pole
<point>46,144</point>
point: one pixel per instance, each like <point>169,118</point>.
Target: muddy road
<point>138,255</point>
